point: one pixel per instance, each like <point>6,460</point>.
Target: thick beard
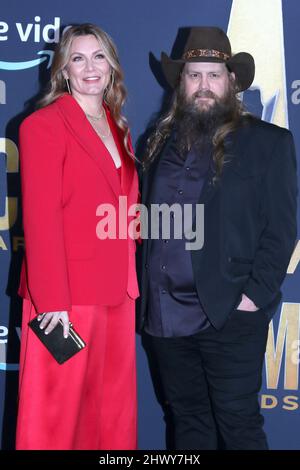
<point>196,125</point>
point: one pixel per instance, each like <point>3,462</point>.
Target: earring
<point>68,86</point>
<point>110,85</point>
<point>112,79</point>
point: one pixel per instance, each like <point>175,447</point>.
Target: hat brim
<point>241,64</point>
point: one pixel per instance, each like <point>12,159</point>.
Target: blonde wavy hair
<point>115,92</point>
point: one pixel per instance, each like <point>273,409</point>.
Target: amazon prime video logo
<point>35,32</point>
<point>44,56</point>
<point>4,365</point>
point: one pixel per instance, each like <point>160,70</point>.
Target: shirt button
<point>163,267</point>
<point>164,291</point>
<point>166,241</point>
<point>180,191</point>
<point>146,266</point>
<point>187,168</point>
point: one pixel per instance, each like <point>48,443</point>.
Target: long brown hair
<point>115,93</point>
<point>166,124</point>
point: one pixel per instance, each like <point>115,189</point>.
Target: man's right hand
<point>247,304</point>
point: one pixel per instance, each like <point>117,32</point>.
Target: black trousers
<point>208,384</point>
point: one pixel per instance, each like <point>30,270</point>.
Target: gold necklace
<point>95,118</point>
<point>103,136</point>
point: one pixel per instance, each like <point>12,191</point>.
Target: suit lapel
<point>234,151</point>
<point>209,188</point>
<point>85,135</point>
<point>128,167</point>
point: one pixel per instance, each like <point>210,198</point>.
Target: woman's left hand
<point>49,321</point>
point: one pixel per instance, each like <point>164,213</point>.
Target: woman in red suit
<point>76,155</point>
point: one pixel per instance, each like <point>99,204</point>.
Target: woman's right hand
<point>49,321</point>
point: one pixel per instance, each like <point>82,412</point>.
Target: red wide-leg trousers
<point>89,402</point>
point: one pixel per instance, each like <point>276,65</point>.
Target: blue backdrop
<point>141,30</point>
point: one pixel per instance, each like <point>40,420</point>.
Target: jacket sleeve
<point>42,152</point>
<point>279,209</point>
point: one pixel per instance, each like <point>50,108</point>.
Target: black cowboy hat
<point>210,44</point>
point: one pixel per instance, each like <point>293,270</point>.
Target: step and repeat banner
<point>269,30</point>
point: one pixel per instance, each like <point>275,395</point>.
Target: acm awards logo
<point>264,22</point>
<point>7,221</point>
<point>296,94</point>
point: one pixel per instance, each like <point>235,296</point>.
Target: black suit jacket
<point>250,223</point>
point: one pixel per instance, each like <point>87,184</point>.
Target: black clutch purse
<point>60,347</point>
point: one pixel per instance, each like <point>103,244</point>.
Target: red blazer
<point>66,173</point>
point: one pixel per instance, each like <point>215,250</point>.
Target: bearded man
<point>204,312</point>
